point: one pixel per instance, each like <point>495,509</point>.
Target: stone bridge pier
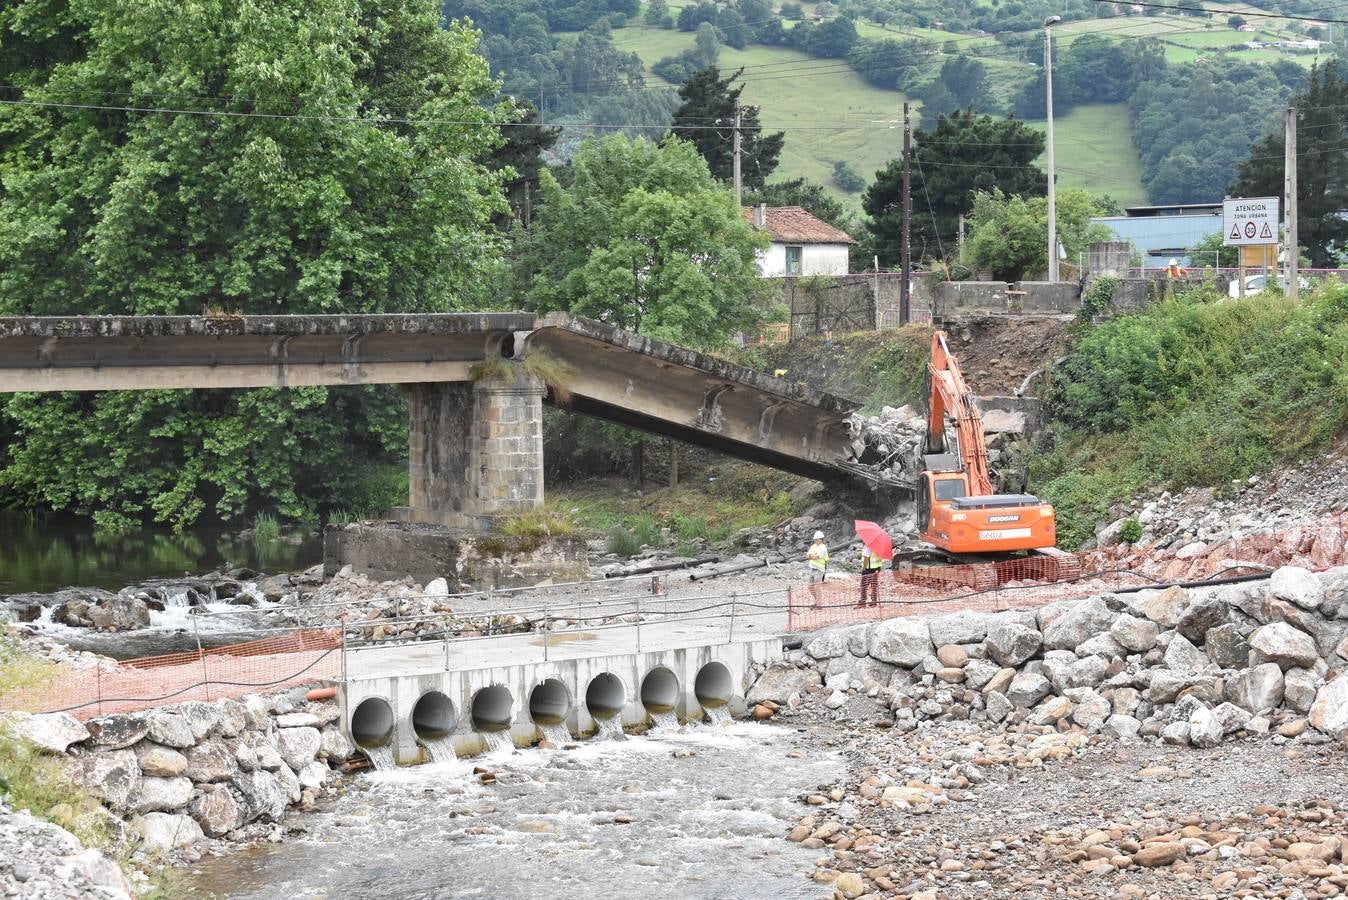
<point>475,450</point>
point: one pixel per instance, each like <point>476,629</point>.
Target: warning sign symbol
<point>1250,229</point>
<point>1266,233</point>
<point>1235,232</point>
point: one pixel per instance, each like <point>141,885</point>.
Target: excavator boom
<point>950,395</point>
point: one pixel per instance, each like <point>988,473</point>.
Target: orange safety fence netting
<point>109,686</point>
<point>938,590</point>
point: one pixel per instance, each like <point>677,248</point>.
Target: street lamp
<point>1052,208</point>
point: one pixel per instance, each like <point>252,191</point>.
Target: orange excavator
<point>993,537</point>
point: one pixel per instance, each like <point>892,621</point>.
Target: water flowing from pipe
<point>380,757</point>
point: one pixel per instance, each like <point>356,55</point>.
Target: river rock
<point>1165,608</point>
<point>217,812</point>
<point>959,628</point>
<point>779,681</point>
<point>1134,633</point>
<point>1122,726</point>
<point>289,783</point>
<point>952,656</point>
<point>1011,644</point>
<point>858,639</point>
<point>1256,689</point>
<point>1182,656</point>
<point>1334,583</point>
<point>827,645</point>
<point>211,761</point>
<point>201,717</point>
<point>836,700</point>
<point>114,777</point>
<point>978,672</point>
<point>902,642</point>
<point>1202,615</point>
<point>1083,621</point>
<point>1090,709</point>
<point>1027,689</point>
<point>161,832</point>
<point>1088,671</point>
<point>1329,712</point>
<point>1300,687</point>
<point>259,716</point>
<point>1205,731</point>
<point>1164,854</point>
<point>437,588</point>
<point>335,746</point>
<point>1051,711</point>
<point>117,731</point>
<point>997,706</point>
<point>1000,682</point>
<point>170,729</point>
<point>1230,717</point>
<point>160,762</point>
<point>1282,644</point>
<point>52,732</point>
<point>1296,585</point>
<point>313,775</point>
<point>1227,648</point>
<point>262,796</point>
<point>231,716</point>
<point>162,795</point>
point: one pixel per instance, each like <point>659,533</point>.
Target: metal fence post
<point>547,627</point>
<point>638,623</point>
<point>734,600</point>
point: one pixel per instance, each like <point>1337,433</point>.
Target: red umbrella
<point>876,538</point>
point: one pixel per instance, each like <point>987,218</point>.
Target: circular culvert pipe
<point>434,716</point>
<point>660,691</point>
<point>492,708</point>
<point>713,686</point>
<point>372,723</point>
<point>549,702</point>
<point>605,697</point>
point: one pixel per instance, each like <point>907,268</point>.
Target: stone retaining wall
<point>1184,666</point>
<point>180,773</point>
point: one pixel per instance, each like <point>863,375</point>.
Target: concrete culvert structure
<point>549,702</point>
<point>434,716</point>
<point>713,686</point>
<point>372,723</point>
<point>660,691</point>
<point>492,708</point>
<point>605,697</point>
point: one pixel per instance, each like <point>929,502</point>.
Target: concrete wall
<point>461,687</point>
<point>815,259</point>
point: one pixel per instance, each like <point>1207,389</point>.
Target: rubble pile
<point>892,442</point>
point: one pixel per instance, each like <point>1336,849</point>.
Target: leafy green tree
<point>330,162</point>
<point>963,153</point>
<point>733,28</point>
<point>792,11</point>
<point>522,155</point>
<point>645,239</point>
<point>690,17</point>
<point>1322,165</point>
<point>1009,235</point>
<point>707,44</point>
<point>658,14</point>
<point>846,177</point>
<point>833,39</point>
<point>967,81</point>
<point>708,108</point>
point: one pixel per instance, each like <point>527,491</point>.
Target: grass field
<point>829,112</point>
<point>1094,150</point>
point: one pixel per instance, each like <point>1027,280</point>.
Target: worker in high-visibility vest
<point>1174,270</point>
<point>870,576</point>
<point>816,561</point>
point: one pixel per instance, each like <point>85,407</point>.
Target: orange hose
<point>326,693</point>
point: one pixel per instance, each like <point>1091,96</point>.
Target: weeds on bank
<point>547,522</point>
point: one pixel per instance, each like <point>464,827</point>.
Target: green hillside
<point>1094,151</point>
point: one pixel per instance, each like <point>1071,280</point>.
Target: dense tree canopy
<point>705,120</point>
<point>330,162</point>
<point>964,153</point>
<point>1009,235</point>
<point>1322,165</point>
<point>644,238</point>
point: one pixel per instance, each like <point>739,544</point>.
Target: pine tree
<point>707,120</point>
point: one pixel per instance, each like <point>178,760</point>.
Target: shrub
<point>265,529</point>
<point>1131,531</point>
<point>622,542</point>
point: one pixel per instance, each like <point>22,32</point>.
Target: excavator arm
<point>950,394</point>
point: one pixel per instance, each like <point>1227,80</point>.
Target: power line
<point>1200,9</point>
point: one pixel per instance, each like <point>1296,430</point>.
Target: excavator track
<point>928,566</point>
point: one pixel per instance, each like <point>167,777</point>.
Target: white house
<point>801,244</point>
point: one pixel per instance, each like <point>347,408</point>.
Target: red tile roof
<point>793,225</point>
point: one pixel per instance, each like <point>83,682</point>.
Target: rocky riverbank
<point>40,859</point>
<point>1196,735</point>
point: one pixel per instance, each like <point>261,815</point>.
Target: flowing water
<point>441,750</point>
<point>497,741</point>
<point>664,721</point>
<point>709,824</point>
<point>557,734</point>
<point>717,715</point>
<point>381,758</point>
<point>610,726</point>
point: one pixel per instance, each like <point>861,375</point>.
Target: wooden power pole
<point>736,145</point>
<point>1290,204</point>
<point>906,263</point>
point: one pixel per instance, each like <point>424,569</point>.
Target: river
<point>43,554</point>
<point>709,809</point>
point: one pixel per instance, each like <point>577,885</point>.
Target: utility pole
<point>960,238</point>
<point>1290,287</point>
<point>1052,205</point>
<point>736,144</point>
<point>906,263</point>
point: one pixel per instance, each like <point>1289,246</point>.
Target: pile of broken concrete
<point>1191,666</point>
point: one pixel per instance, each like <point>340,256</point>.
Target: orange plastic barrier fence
<point>269,664</point>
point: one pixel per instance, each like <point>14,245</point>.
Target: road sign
<point>1250,220</point>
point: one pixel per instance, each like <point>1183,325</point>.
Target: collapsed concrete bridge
<point>476,439</point>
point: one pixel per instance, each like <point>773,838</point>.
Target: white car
<point>1256,283</point>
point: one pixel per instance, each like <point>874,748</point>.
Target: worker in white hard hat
<point>816,561</point>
